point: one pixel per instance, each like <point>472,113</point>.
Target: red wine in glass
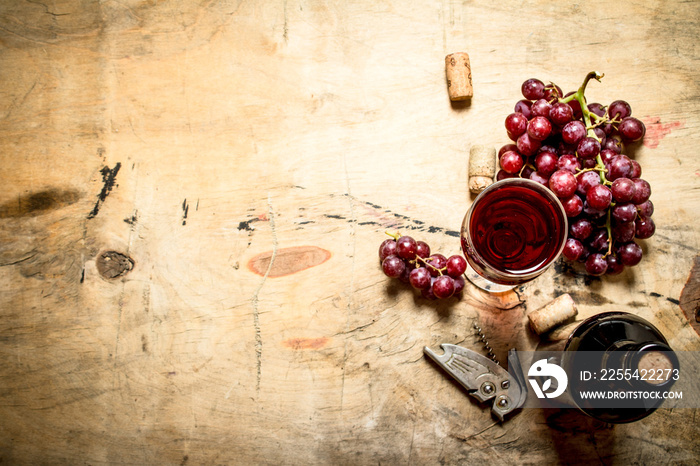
<point>514,230</point>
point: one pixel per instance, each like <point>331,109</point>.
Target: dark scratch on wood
<point>245,225</point>
<point>109,176</point>
<point>185,209</point>
<point>132,220</point>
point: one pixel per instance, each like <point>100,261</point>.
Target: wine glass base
<point>486,285</point>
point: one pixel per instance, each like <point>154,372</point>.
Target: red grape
<point>393,266</point>
<point>631,129</point>
<point>539,177</point>
<point>459,285</point>
<point>532,89</point>
<point>569,162</point>
<point>527,145</point>
<point>516,124</point>
<point>614,143</point>
<point>506,148</point>
<point>599,197</point>
<point>511,162</point>
<point>572,206</point>
<point>437,262</point>
<point>596,264</point>
<point>561,114</point>
<point>541,108</point>
<point>630,253</point>
<point>645,209</point>
<point>636,169</point>
<point>456,266</point>
<point>406,247</point>
<point>552,92</point>
<point>619,109</point>
<point>614,265</point>
<point>539,128</point>
<point>596,108</point>
<point>642,191</point>
<point>586,181</point>
<point>502,175</point>
<point>420,278</point>
<point>387,248</point>
<point>523,106</point>
<point>573,132</point>
<point>644,227</point>
<point>619,166</point>
<point>422,249</point>
<point>443,287</point>
<point>562,183</point>
<point>435,276</point>
<point>573,249</point>
<point>427,293</point>
<point>581,229</point>
<point>624,212</point>
<point>546,162</point>
<point>623,232</point>
<point>588,148</point>
<point>623,189</point>
<point>600,241</point>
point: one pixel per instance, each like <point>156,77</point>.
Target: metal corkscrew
<point>484,379</point>
<point>485,342</point>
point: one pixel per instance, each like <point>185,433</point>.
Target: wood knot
<point>113,264</point>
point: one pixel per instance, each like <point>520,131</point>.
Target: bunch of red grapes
<point>434,275</point>
<point>577,150</point>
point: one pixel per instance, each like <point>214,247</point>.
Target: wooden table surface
<point>193,194</point>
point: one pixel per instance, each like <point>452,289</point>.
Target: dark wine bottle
<point>619,353</point>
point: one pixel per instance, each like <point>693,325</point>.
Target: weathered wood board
<point>244,160</point>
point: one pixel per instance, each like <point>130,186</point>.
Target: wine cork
<point>459,76</point>
<point>656,363</point>
<point>563,332</point>
<point>482,167</point>
<point>553,314</point>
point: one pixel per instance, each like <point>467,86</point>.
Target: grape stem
<point>526,165</point>
<point>396,235</point>
<point>580,97</point>
<point>429,265</point>
<point>608,227</point>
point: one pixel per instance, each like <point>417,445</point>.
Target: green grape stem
<point>608,227</point>
<point>580,97</point>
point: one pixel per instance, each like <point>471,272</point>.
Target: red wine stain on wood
<point>305,343</point>
<point>656,131</point>
<point>690,296</point>
<point>288,261</point>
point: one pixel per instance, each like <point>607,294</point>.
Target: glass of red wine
<point>514,230</point>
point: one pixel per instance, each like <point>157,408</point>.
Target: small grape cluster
<point>434,275</point>
<point>576,149</point>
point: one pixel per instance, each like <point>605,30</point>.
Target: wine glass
<point>514,230</point>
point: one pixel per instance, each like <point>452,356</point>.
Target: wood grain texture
<point>193,137</point>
